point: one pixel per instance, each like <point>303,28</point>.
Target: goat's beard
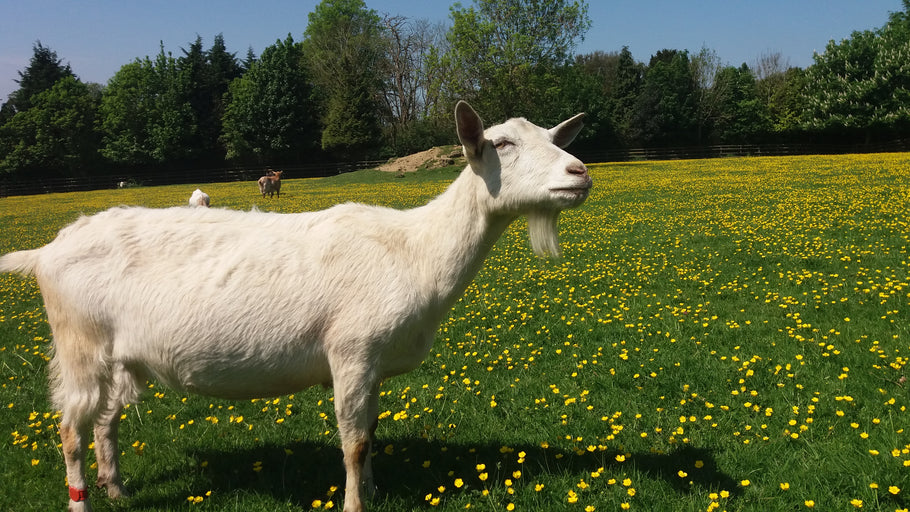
<point>542,231</point>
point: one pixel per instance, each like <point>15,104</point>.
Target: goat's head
<point>526,170</point>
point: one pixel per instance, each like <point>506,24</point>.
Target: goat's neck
<point>458,231</point>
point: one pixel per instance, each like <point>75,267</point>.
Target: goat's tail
<point>22,262</point>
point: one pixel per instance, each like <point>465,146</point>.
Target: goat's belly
<point>244,377</point>
<point>408,356</point>
<point>249,386</point>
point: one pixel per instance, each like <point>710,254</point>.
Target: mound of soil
<point>433,158</point>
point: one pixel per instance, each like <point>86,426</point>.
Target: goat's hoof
<point>353,508</point>
<point>115,491</point>
<point>79,506</point>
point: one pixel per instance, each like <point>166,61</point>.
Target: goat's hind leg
<point>74,439</point>
<point>123,391</point>
<point>80,384</point>
<point>78,395</point>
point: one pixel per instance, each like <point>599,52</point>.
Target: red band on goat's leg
<point>78,494</point>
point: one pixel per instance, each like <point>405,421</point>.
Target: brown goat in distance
<point>270,184</point>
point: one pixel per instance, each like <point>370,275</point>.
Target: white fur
<point>182,295</point>
<point>199,198</point>
<point>271,184</point>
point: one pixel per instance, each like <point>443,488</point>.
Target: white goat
<point>271,184</point>
<point>199,198</point>
<point>365,288</point>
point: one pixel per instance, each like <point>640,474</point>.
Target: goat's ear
<point>470,129</point>
<point>564,133</point>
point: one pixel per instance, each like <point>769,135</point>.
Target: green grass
<point>720,334</point>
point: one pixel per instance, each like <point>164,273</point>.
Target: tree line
<point>360,85</point>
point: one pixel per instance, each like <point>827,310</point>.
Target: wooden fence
<point>729,150</point>
<point>13,187</point>
<point>10,186</point>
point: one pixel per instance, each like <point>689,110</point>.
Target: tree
<point>770,72</point>
<point>172,125</point>
<point>602,80</point>
<point>624,94</point>
<point>7,111</point>
<point>407,101</point>
<point>665,109</point>
<point>586,87</point>
<point>126,108</point>
<point>769,65</point>
<point>43,71</point>
<point>780,88</point>
<point>404,49</point>
<point>742,116</point>
<point>270,116</point>
<point>705,66</point>
<point>344,48</point>
<point>206,75</point>
<point>145,117</point>
<point>408,98</point>
<point>248,61</point>
<point>862,84</point>
<point>503,54</point>
<point>193,73</point>
<point>603,65</point>
<point>55,134</point>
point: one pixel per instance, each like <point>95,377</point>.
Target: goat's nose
<point>578,169</point>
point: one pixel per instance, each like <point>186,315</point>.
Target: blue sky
<point>98,37</point>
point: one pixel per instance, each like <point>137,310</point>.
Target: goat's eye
<point>502,144</point>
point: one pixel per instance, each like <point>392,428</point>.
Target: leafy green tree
<point>126,108</point>
<point>862,84</point>
<point>173,124</point>
<point>665,111</point>
<point>270,116</point>
<point>145,117</point>
<point>55,134</point>
<point>586,86</point>
<point>344,48</point>
<point>43,71</point>
<point>742,116</point>
<point>7,111</point>
<point>206,75</point>
<point>193,73</point>
<point>783,95</point>
<point>248,61</point>
<point>624,93</point>
<point>705,66</point>
<point>344,129</point>
<point>773,76</point>
<point>602,65</point>
<point>503,55</point>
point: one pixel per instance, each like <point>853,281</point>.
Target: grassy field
<point>725,334</point>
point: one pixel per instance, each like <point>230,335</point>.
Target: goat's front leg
<point>356,407</point>
<point>106,432</point>
<point>106,453</point>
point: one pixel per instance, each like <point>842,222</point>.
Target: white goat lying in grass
<point>365,289</point>
<point>199,198</point>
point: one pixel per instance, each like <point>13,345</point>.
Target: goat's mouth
<point>572,194</point>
